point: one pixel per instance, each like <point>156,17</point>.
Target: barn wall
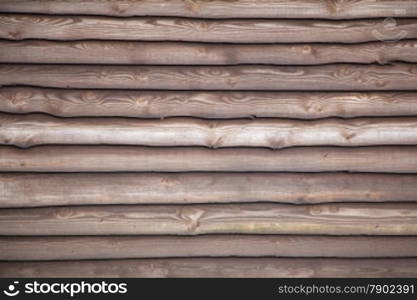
<point>208,138</point>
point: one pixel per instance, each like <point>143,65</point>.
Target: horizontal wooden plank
<point>122,247</point>
<point>31,190</point>
<point>39,129</point>
<point>226,104</point>
<point>328,219</point>
<point>18,27</point>
<point>172,53</point>
<point>216,267</point>
<point>333,77</point>
<point>400,159</point>
<point>219,8</point>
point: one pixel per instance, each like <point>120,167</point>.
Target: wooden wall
<point>177,138</point>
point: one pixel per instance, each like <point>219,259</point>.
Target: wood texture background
<point>398,159</point>
<point>28,190</point>
<point>332,9</point>
<point>176,53</point>
<point>37,129</point>
<point>213,104</point>
<point>111,113</point>
<point>123,247</point>
<point>328,219</point>
<point>216,267</point>
<point>19,27</point>
<point>331,77</point>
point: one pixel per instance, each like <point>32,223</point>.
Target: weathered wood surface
<point>400,159</point>
<point>198,58</point>
<point>39,129</point>
<point>21,26</point>
<point>171,53</point>
<point>216,267</point>
<point>31,190</point>
<point>122,247</point>
<point>226,104</point>
<point>319,219</point>
<point>334,9</point>
<point>332,77</point>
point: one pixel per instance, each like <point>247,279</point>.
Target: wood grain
<point>400,159</point>
<point>38,129</point>
<point>334,9</point>
<point>127,101</point>
<point>31,190</point>
<point>18,27</point>
<point>122,247</point>
<point>319,219</point>
<point>174,53</point>
<point>259,77</point>
<point>216,267</point>
<point>160,104</point>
